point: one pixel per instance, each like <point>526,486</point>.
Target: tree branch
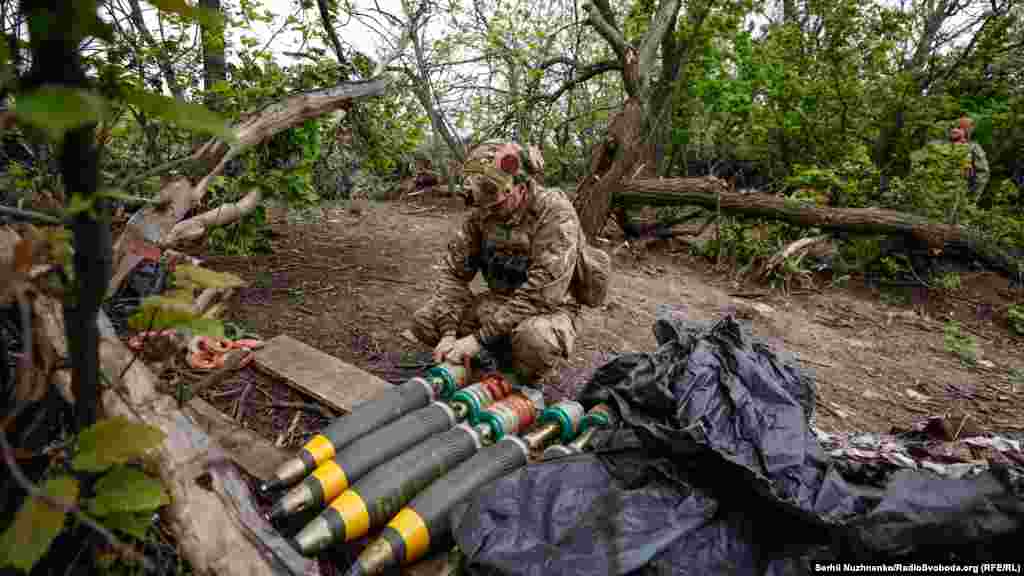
<point>198,225</point>
<point>30,215</point>
<point>606,12</point>
<point>162,60</point>
<point>588,72</point>
<point>27,485</point>
<point>606,29</point>
<point>663,24</point>
<point>327,21</point>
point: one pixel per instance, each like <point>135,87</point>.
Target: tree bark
<point>633,134</point>
<point>610,161</point>
<point>158,225</point>
<point>710,192</point>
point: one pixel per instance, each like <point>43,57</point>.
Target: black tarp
<point>716,469</point>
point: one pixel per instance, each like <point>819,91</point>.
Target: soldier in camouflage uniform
<point>524,239</point>
<point>976,171</point>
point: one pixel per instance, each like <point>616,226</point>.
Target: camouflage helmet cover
<point>494,166</point>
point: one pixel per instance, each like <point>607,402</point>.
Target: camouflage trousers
<point>534,349</point>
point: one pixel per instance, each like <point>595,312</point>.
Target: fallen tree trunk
<point>712,193</point>
<point>163,225</point>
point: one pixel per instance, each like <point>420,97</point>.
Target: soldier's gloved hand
<point>464,348</point>
<point>444,347</point>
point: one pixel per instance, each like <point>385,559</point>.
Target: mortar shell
<point>334,476</point>
<point>380,494</point>
<point>386,407</point>
<point>409,536</point>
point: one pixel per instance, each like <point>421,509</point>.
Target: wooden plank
<point>338,384</point>
<point>257,455</point>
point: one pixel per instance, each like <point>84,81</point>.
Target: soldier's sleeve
<point>981,168</point>
<point>552,263</point>
<point>458,267</point>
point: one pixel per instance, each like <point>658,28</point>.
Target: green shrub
<point>963,346</point>
<point>1015,318</point>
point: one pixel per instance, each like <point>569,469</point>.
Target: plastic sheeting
<point>717,470</point>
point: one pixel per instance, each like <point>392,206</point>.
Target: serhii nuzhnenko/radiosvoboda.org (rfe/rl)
<point>987,568</point>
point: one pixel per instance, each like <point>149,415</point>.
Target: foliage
<point>174,309</point>
<point>1015,318</point>
<point>851,183</point>
<point>101,480</point>
<point>934,187</point>
<point>950,281</point>
<point>963,346</point>
<point>37,524</point>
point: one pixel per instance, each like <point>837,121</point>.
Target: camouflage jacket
<point>981,170</point>
<point>529,257</point>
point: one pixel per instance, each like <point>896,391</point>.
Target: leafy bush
<point>100,478</point>
<point>852,182</point>
<point>934,188</point>
<point>950,281</point>
<point>962,345</point>
<point>1015,318</point>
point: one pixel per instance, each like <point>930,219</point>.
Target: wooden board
<point>257,455</point>
<point>335,383</point>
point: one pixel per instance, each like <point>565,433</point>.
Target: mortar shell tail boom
<point>599,417</point>
<point>561,420</point>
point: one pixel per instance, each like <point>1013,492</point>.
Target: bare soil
<point>348,283</point>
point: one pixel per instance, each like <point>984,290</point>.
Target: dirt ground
<point>348,284</point>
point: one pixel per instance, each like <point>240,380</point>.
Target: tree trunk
<point>610,162</point>
<point>710,192</point>
<point>161,225</point>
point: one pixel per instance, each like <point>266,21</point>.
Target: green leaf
<point>206,278</point>
<point>205,16</point>
<point>128,489</point>
<point>134,524</point>
<point>36,525</point>
<point>161,312</point>
<point>56,109</point>
<point>184,114</point>
<point>114,441</point>
<point>79,204</point>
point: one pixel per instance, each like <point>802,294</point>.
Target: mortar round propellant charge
<point>568,414</point>
<point>516,412</point>
<point>478,396</point>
